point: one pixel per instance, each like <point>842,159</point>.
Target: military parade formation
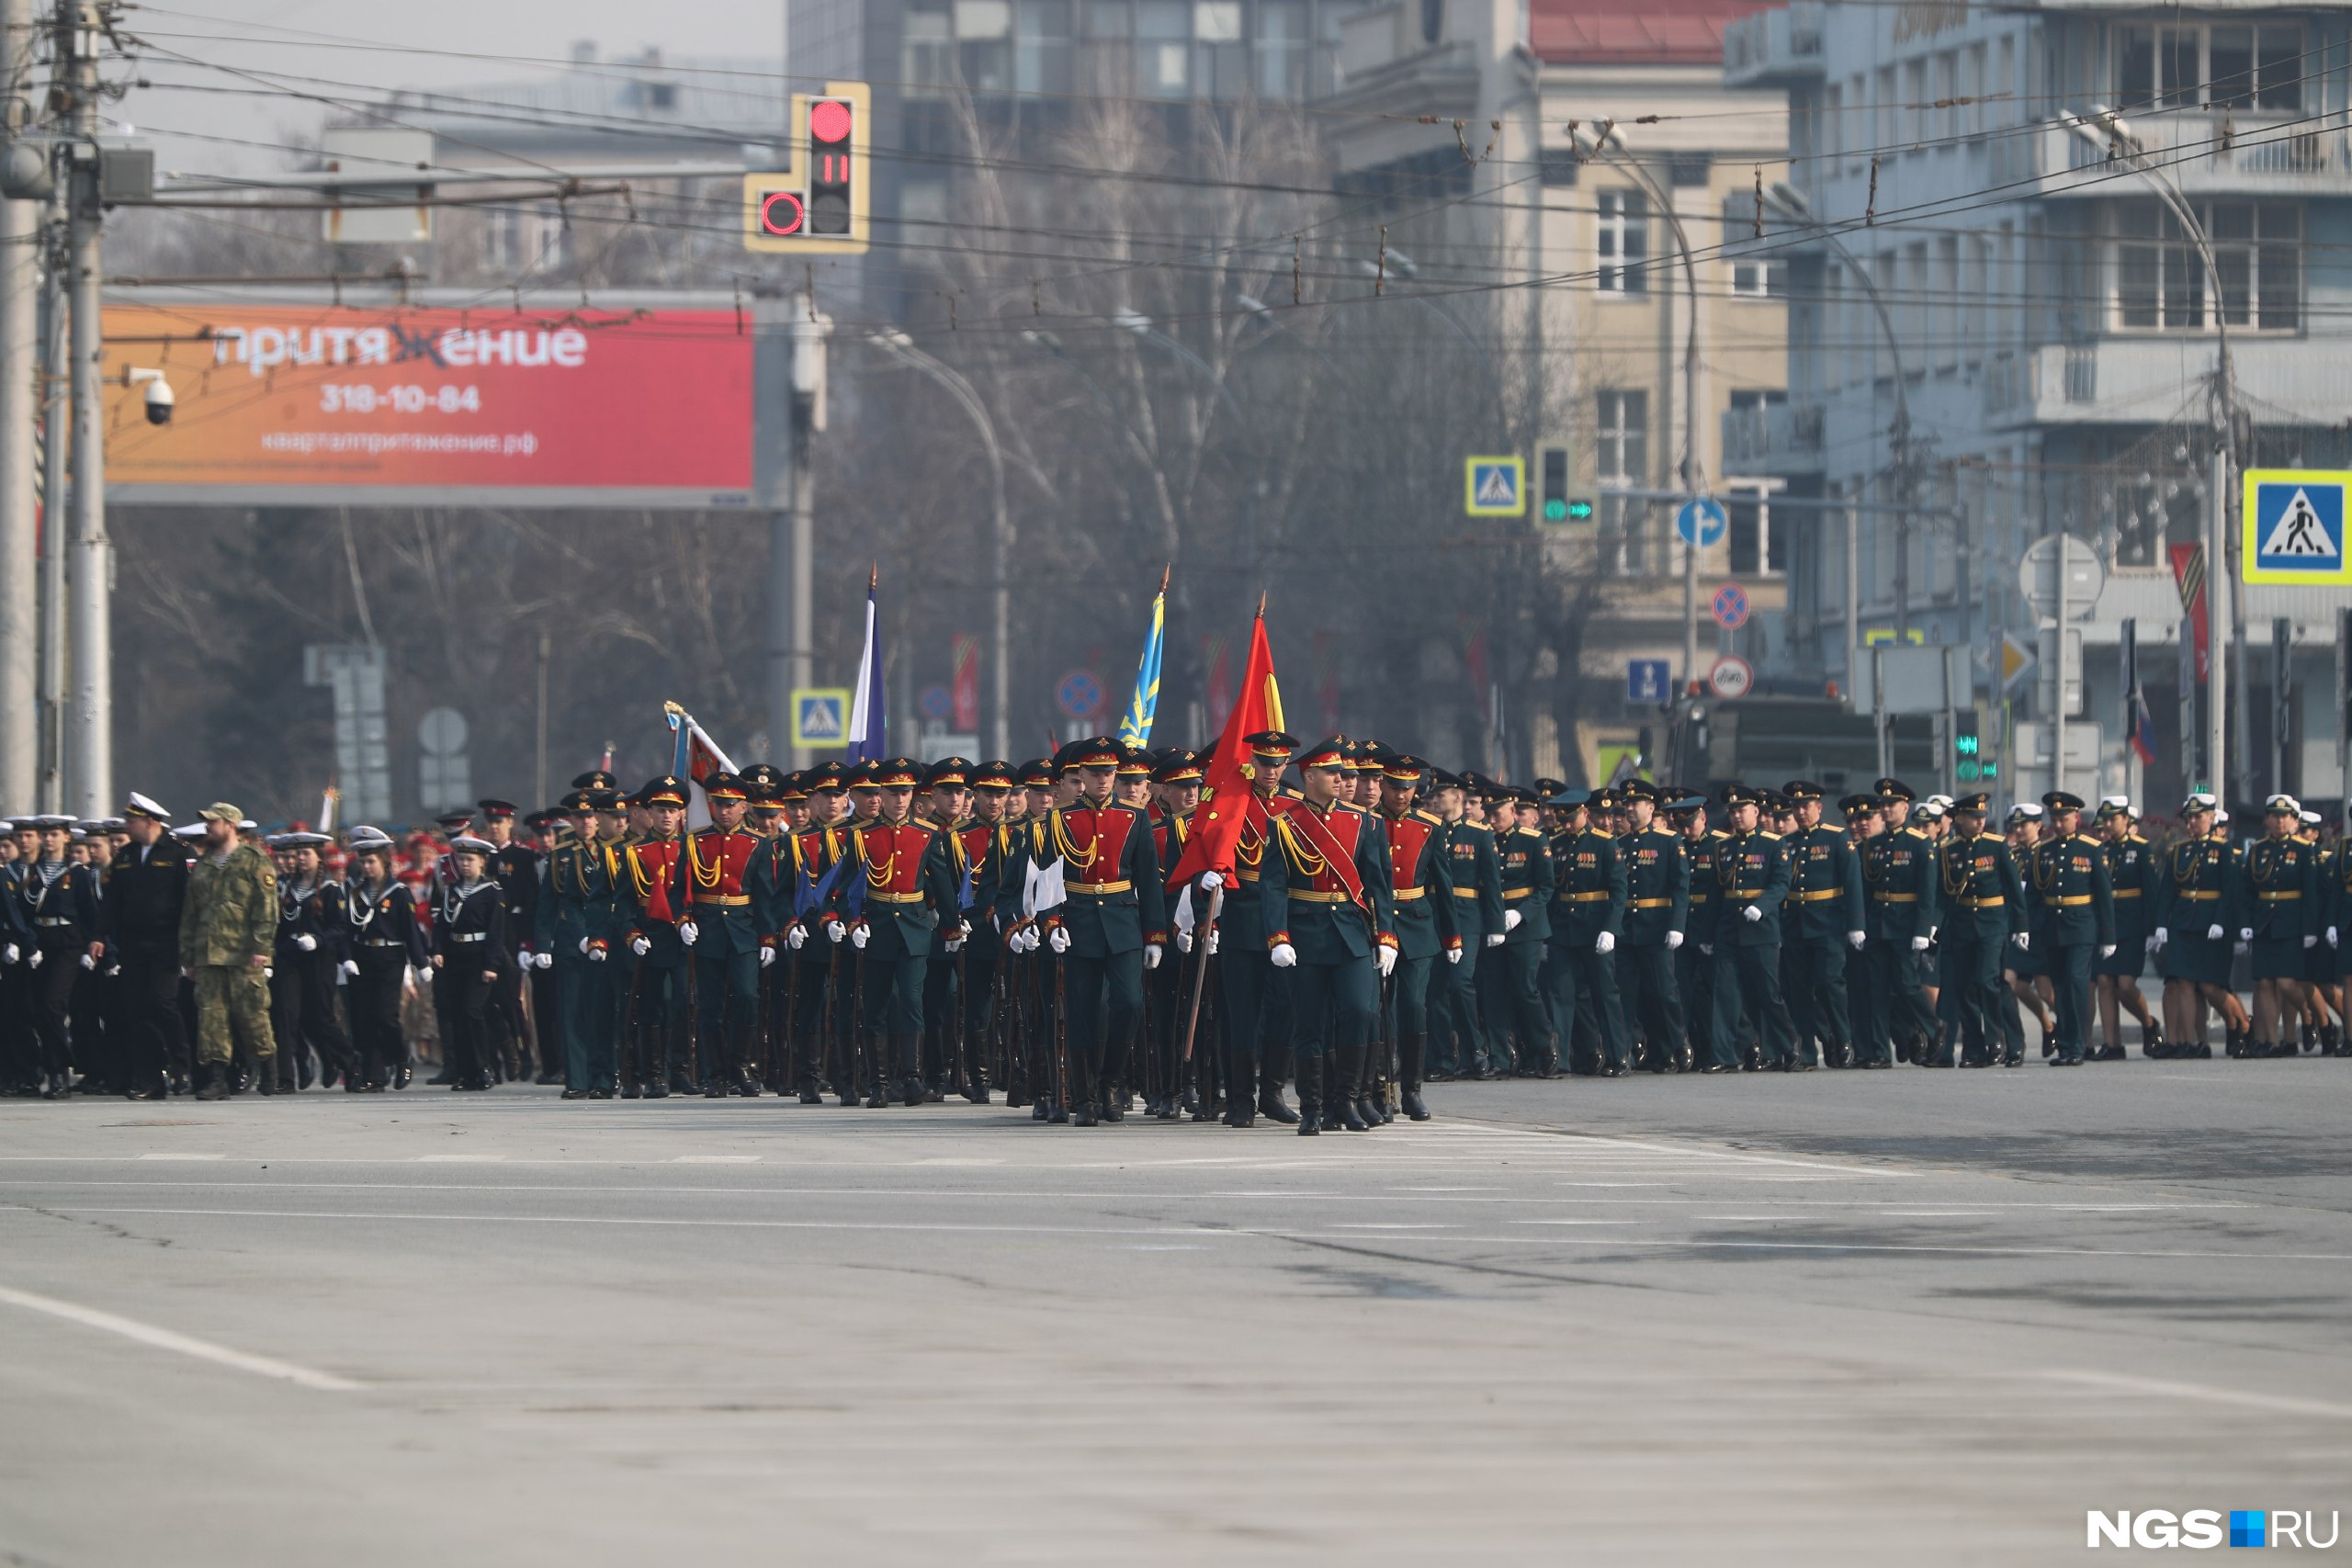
<point>1062,933</point>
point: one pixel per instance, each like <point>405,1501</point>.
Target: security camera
<point>158,392</point>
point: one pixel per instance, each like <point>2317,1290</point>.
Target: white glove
<point>34,962</point>
<point>1183,939</point>
<point>269,971</point>
<point>1494,938</point>
<point>2331,938</point>
<point>2151,944</point>
<point>1707,948</point>
<point>583,947</point>
<point>350,967</point>
<point>836,931</point>
<point>421,975</point>
<point>2245,934</point>
<point>2107,950</point>
<point>2214,933</point>
<point>90,962</point>
<point>1856,939</point>
<point>546,959</point>
<point>687,932</point>
<point>1919,944</point>
<point>1212,947</point>
<point>2162,936</point>
<point>1059,940</point>
<point>639,946</point>
<point>1285,956</point>
<point>2024,941</point>
<point>767,957</point>
<point>1751,912</point>
<point>13,953</point>
<point>1510,919</point>
<point>860,934</point>
<point>1673,941</point>
<point>795,936</point>
<point>1151,954</point>
<point>1454,955</point>
<point>1031,940</point>
<point>595,954</point>
<point>307,942</point>
<point>1387,960</point>
<point>1211,881</point>
<point>2311,940</point>
<point>1605,943</point>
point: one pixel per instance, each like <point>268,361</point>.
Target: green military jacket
<point>231,914</point>
<point>2075,906</point>
<point>579,899</point>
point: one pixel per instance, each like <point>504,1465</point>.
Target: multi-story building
<point>1476,122</point>
<point>2002,328</point>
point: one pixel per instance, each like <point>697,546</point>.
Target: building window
<point>1041,59</point>
<point>1623,247</point>
<point>1282,49</point>
<point>2192,65</point>
<point>1756,273</point>
<point>1163,49</point>
<point>525,239</point>
<point>928,47</point>
<point>1622,461</point>
<point>2160,283</point>
<point>1754,547</point>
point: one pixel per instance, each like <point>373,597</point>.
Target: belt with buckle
<point>1309,896</point>
<point>2265,898</point>
<point>2071,901</point>
<point>1406,894</point>
<point>469,936</point>
<point>2127,892</point>
<point>722,900</point>
<point>1651,903</point>
<point>900,898</point>
<point>1896,898</point>
<point>2201,895</point>
<point>1599,896</point>
<point>1100,888</point>
<point>1819,894</point>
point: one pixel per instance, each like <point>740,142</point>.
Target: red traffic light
<point>781,212</point>
<point>829,121</point>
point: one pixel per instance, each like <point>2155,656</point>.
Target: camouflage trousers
<point>230,996</point>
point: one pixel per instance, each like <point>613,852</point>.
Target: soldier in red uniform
<point>820,1011</point>
<point>1256,1034</point>
<point>947,791</point>
<point>725,941</point>
<point>898,896</point>
<point>1422,893</point>
<point>655,1009</point>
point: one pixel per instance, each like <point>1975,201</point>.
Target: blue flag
<point>868,733</point>
<point>1134,725</point>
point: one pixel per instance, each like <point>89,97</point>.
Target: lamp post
<point>2103,130</point>
<point>901,347</point>
<point>1598,145</point>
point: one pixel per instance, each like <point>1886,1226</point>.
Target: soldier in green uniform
<point>2022,970</point>
<point>227,925</point>
<point>1519,1035</point>
<point>1423,900</point>
<point>2277,895</point>
<point>2074,920</point>
<point>1329,921</point>
<point>1980,896</point>
<point>1899,873</point>
<point>1696,967</point>
<point>1752,878</point>
<point>579,914</point>
<point>1826,892</point>
<point>1588,916</point>
<point>1474,884</point>
<point>2132,875</point>
<point>1658,904</point>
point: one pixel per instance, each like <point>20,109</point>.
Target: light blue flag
<point>1135,725</point>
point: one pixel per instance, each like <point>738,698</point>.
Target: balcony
<point>2205,152</point>
<point>1781,48</point>
<point>2149,381</point>
<point>1779,439</point>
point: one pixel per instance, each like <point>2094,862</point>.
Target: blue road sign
<point>1701,522</point>
<point>1647,681</point>
<point>2295,528</point>
<point>936,704</point>
<point>820,716</point>
<point>1731,606</point>
<point>1079,694</point>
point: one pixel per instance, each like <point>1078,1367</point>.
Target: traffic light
<point>822,203</point>
<point>1969,763</point>
<point>1563,500</point>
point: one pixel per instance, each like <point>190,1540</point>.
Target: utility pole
<point>90,723</point>
<point>20,273</point>
<point>53,511</point>
<point>792,540</point>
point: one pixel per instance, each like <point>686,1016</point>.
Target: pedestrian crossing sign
<point>1494,487</point>
<point>820,716</point>
<point>2293,522</point>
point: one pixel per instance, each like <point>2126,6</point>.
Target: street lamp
<point>897,344</point>
<point>1257,310</point>
<point>2104,129</point>
<point>1606,143</point>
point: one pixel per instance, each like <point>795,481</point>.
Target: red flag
<point>2189,576</point>
<point>965,691</point>
<point>1225,787</point>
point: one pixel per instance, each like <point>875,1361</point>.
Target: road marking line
<point>457,1159</point>
<point>167,1339</point>
<point>2128,1385</point>
<point>162,1156</point>
<point>715,1159</point>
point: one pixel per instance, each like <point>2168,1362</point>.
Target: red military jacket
<point>892,855</point>
<point>1250,850</point>
<point>654,881</point>
<point>1092,843</point>
<point>718,862</point>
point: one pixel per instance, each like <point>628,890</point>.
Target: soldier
<point>2021,967</point>
<point>728,951</point>
<point>2132,875</point>
<point>1509,985</point>
<point>1328,920</point>
<point>820,1002</point>
<point>577,913</point>
<point>1697,974</point>
<point>1110,930</point>
<point>2075,920</point>
<point>1176,777</point>
<point>1826,898</point>
<point>387,943</point>
<point>227,924</point>
<point>656,1021</point>
<point>469,937</point>
<point>1979,897</point>
<point>1587,917</point>
<point>1899,876</point>
<point>1657,907</point>
<point>898,893</point>
<point>2323,1001</point>
<point>945,805</point>
<point>58,903</point>
<point>1245,973</point>
<point>1474,881</point>
<point>144,891</point>
<point>2278,895</point>
<point>2198,913</point>
<point>310,953</point>
<point>1421,896</point>
<point>1752,876</point>
<point>2339,887</point>
<point>514,866</point>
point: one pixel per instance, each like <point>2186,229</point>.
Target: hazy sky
<point>341,49</point>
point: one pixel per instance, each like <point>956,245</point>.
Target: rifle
<point>628,1012</point>
<point>957,1073</point>
<point>857,1026</point>
<point>791,1018</point>
<point>1062,1035</point>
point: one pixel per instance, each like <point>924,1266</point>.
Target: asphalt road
<point>1875,1318</point>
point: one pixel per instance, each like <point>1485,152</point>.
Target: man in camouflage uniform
<point>227,925</point>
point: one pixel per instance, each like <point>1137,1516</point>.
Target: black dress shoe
<point>600,1094</point>
<point>1878,1063</point>
<point>2065,1061</point>
<point>1612,1071</point>
<point>808,1095</point>
<point>1413,1106</point>
<point>1058,1114</point>
<point>657,1089</point>
<point>574,1094</point>
<point>1712,1068</point>
<point>630,1091</point>
<point>1083,1115</point>
<point>1802,1067</point>
<point>1038,1112</point>
<point>717,1090</point>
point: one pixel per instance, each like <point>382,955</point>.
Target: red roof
<point>1655,32</point>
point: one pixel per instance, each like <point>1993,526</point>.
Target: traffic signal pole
<point>89,767</point>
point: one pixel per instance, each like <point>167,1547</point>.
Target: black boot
<point>1309,1116</point>
<point>211,1081</point>
<point>1340,1109</point>
<point>1271,1106</point>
